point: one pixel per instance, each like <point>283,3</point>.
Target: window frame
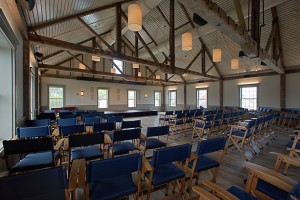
<point>135,98</point>
<point>122,68</point>
<point>64,93</point>
<point>198,89</point>
<point>169,99</point>
<point>160,95</point>
<point>107,105</point>
<point>248,86</point>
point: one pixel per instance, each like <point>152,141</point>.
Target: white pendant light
<point>81,66</point>
<point>235,63</point>
<point>217,55</point>
<point>135,65</point>
<point>113,70</point>
<point>139,74</point>
<point>96,58</point>
<point>187,41</point>
<point>135,17</point>
<point>157,76</point>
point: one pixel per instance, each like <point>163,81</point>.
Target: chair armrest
<point>146,167</point>
<point>143,136</point>
<point>55,132</point>
<point>81,174</point>
<point>193,156</point>
<point>221,192</point>
<point>205,195</point>
<point>59,144</point>
<point>73,176</point>
<point>271,176</point>
<point>107,139</point>
<point>288,159</point>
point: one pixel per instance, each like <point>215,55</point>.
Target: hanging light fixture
<point>96,58</point>
<point>135,17</point>
<point>157,76</point>
<point>113,70</point>
<point>81,66</point>
<point>187,41</point>
<point>139,73</point>
<point>235,63</point>
<point>217,52</point>
<point>135,65</point>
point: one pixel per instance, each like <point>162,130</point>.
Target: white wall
<point>292,90</point>
<point>73,88</point>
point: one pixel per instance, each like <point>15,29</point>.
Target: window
<point>172,98</point>
<point>120,66</point>
<point>157,99</point>
<point>131,98</point>
<point>248,96</point>
<point>102,98</point>
<point>56,96</point>
<point>202,98</point>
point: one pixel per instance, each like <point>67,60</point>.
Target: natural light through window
<point>131,98</point>
<point>157,100</point>
<point>102,98</point>
<point>248,97</point>
<point>56,97</point>
<point>202,98</point>
<point>172,98</point>
<point>120,66</point>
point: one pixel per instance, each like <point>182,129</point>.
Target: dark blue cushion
<point>165,173</point>
<point>153,143</point>
<point>290,144</point>
<point>207,125</point>
<point>113,188</point>
<point>241,194</point>
<point>296,191</point>
<point>124,148</point>
<point>89,153</point>
<point>204,163</point>
<point>240,133</point>
<point>271,190</point>
<point>35,161</point>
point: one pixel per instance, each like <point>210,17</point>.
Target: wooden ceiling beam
<point>74,16</point>
<point>42,40</point>
<point>194,59</point>
<point>163,15</point>
<point>239,13</point>
<point>80,61</point>
<point>172,33</point>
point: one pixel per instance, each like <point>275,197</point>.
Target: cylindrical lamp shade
<point>235,63</point>
<point>135,65</point>
<point>187,41</point>
<point>139,74</point>
<point>157,76</point>
<point>81,66</point>
<point>95,58</point>
<point>113,70</point>
<point>135,17</point>
<point>217,55</point>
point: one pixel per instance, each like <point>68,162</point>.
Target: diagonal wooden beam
<point>271,37</point>
<point>239,13</point>
<point>163,15</point>
<point>69,59</point>
<point>194,59</point>
<point>209,68</point>
<point>80,61</point>
<point>171,77</point>
<point>51,42</point>
<point>74,16</point>
<point>116,66</point>
<point>95,33</point>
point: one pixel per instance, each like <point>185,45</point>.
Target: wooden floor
<point>231,172</point>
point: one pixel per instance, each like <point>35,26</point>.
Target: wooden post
<point>119,28</point>
<point>136,46</point>
<point>26,75</point>
<point>221,93</point>
<point>163,99</point>
<point>184,94</point>
<point>282,91</point>
<point>172,34</point>
<point>203,66</point>
<point>255,13</point>
<point>37,86</point>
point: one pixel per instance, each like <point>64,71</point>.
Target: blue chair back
<point>157,131</point>
<point>199,112</point>
<point>127,134</point>
<point>37,122</point>
<point>12,147</point>
<point>65,111</point>
<point>89,121</point>
<point>180,115</point>
<point>67,115</point>
<point>185,111</point>
<point>79,112</point>
<point>67,122</point>
<point>169,112</point>
<point>50,116</point>
<point>218,116</point>
<point>210,145</point>
<point>259,120</point>
<point>30,132</point>
<point>208,112</point>
<point>94,112</point>
<point>131,124</point>
<point>178,112</point>
<point>113,167</point>
<point>209,118</point>
<point>86,115</point>
<point>115,119</point>
<point>46,184</point>
<point>48,111</point>
<point>71,129</point>
<point>79,140</point>
<point>250,124</point>
<point>104,127</point>
<point>168,155</point>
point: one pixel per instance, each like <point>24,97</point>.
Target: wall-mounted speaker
<point>199,20</point>
<point>27,4</point>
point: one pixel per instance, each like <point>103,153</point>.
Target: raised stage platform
<point>132,113</point>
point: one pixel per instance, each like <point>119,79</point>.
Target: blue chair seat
<point>178,122</point>
<point>240,133</point>
<point>290,144</point>
<point>204,163</point>
<point>295,191</point>
<point>271,190</point>
<point>153,143</point>
<point>207,125</point>
<point>124,148</point>
<point>241,194</point>
<point>165,173</point>
<point>89,153</point>
<point>112,188</point>
<point>35,161</point>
